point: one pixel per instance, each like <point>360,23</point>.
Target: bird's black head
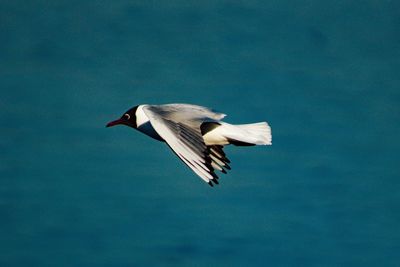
<point>128,119</point>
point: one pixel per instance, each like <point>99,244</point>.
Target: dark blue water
<point>325,75</point>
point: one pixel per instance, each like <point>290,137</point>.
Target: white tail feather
<point>254,133</point>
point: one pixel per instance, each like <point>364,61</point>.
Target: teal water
<point>325,75</point>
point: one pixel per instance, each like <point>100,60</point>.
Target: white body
<point>254,133</point>
<point>197,135</point>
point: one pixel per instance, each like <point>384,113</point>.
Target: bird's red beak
<point>113,123</point>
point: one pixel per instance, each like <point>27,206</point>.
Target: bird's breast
<point>148,129</point>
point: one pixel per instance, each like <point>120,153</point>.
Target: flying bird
<point>195,134</point>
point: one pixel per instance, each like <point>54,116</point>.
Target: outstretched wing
<point>188,144</point>
<point>185,112</point>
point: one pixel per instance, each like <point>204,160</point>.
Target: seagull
<point>195,134</point>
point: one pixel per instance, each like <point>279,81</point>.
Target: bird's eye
<point>127,116</point>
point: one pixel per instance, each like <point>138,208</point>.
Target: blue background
<point>324,74</point>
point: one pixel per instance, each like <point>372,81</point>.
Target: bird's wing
<point>186,142</point>
<point>185,112</point>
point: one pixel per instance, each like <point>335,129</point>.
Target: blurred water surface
<point>325,75</point>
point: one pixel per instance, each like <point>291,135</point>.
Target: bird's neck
<point>141,117</point>
<point>144,125</point>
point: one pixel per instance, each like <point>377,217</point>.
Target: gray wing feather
<point>185,112</point>
<point>187,142</point>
